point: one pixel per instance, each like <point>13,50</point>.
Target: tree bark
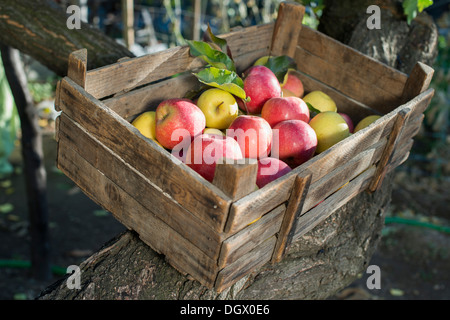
<point>322,262</point>
<point>396,43</point>
<point>34,169</point>
<point>39,29</point>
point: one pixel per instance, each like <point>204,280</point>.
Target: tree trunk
<point>396,43</point>
<point>39,29</point>
<point>34,169</point>
<point>322,262</point>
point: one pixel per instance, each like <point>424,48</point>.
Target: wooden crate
<point>205,229</point>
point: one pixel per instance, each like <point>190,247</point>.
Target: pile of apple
<point>275,126</point>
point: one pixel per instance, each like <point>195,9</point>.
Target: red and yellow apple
<point>207,150</point>
<point>178,120</point>
<point>260,84</point>
<point>349,121</point>
<point>294,142</point>
<point>270,169</point>
<point>219,107</point>
<point>253,134</point>
<point>292,85</point>
<point>276,110</point>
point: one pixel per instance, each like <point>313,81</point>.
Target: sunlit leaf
<point>215,58</point>
<point>221,43</point>
<point>223,79</point>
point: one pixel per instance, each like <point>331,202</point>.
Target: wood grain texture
<point>77,67</point>
<point>247,45</point>
<point>139,187</point>
<point>181,253</point>
<point>250,237</point>
<point>236,178</point>
<point>393,140</point>
<point>418,81</point>
<point>349,71</point>
<point>293,210</point>
<point>287,27</point>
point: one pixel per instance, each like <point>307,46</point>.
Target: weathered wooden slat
<point>355,109</point>
<point>342,174</point>
<point>180,252</point>
<point>247,263</point>
<point>287,27</point>
<point>139,187</point>
<point>250,237</point>
<point>131,104</point>
<point>77,67</point>
<point>394,137</point>
<point>349,71</point>
<point>294,208</point>
<point>418,81</point>
<point>125,75</point>
<point>319,213</point>
<point>191,191</point>
<point>236,179</point>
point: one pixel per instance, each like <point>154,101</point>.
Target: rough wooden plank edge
<point>250,237</point>
<point>245,265</point>
<point>323,210</point>
<point>77,67</point>
<point>396,133</point>
<point>287,28</point>
<point>418,81</point>
<point>294,208</point>
<point>236,178</point>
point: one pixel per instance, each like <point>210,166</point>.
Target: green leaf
<point>423,4</point>
<point>312,109</point>
<point>280,65</point>
<point>215,58</point>
<point>224,79</point>
<point>222,43</point>
<point>410,9</point>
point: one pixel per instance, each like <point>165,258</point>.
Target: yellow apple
<point>146,124</point>
<point>330,128</point>
<point>320,101</point>
<point>213,131</point>
<point>219,107</point>
<point>365,122</point>
<point>261,61</point>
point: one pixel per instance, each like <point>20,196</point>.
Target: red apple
<point>207,150</point>
<point>270,169</point>
<point>260,84</point>
<point>292,84</point>
<point>276,110</point>
<point>348,120</point>
<point>294,142</point>
<point>178,120</point>
<point>253,134</point>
